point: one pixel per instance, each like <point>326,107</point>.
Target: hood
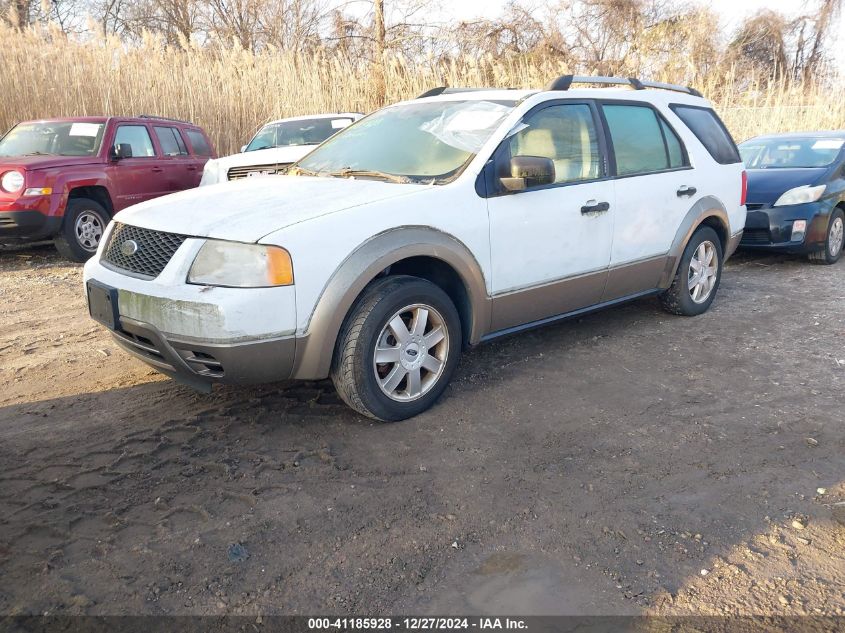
<point>270,156</point>
<point>247,210</point>
<point>45,162</point>
<point>765,186</point>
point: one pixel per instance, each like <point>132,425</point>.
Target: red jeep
<point>64,178</point>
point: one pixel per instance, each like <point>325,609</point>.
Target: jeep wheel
<point>83,226</point>
<point>699,273</point>
<point>835,238</point>
<point>397,349</point>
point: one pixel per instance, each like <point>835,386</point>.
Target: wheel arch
<point>419,251</point>
<point>97,193</point>
<point>708,211</point>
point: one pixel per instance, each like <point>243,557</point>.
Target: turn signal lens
<point>744,193</point>
<point>279,267</point>
<point>38,191</point>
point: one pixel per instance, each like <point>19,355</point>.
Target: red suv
<point>64,178</point>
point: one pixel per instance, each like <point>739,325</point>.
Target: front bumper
<point>770,228</point>
<point>199,334</point>
<point>27,224</point>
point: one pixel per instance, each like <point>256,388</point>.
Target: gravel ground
<point>624,462</point>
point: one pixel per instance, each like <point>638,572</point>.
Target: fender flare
<point>315,348</point>
<point>705,208</point>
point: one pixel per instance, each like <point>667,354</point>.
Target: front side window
<point>422,141</point>
<point>138,138</point>
<point>638,140</point>
<point>790,152</point>
<point>565,134</point>
<point>63,138</point>
<point>299,132</point>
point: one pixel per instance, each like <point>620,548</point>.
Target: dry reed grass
<point>231,92</point>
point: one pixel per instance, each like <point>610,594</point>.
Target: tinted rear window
<point>198,142</point>
<point>710,130</point>
<point>170,141</point>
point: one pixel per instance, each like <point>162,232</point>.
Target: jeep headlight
<point>11,181</point>
<point>800,195</point>
<point>237,265</point>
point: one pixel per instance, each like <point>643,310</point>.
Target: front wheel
<point>398,349</point>
<point>82,229</point>
<point>699,273</point>
<point>835,238</point>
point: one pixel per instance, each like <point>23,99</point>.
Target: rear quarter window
<point>198,142</point>
<point>709,129</point>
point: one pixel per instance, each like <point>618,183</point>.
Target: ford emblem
<point>129,248</point>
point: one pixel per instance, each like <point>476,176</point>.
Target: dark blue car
<point>796,194</point>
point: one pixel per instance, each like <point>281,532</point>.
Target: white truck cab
<point>427,226</point>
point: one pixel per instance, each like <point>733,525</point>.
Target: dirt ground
<point>624,462</point>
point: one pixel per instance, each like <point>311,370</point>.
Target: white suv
<point>425,227</point>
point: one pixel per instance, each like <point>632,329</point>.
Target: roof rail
<point>444,90</point>
<point>565,81</point>
<point>162,118</point>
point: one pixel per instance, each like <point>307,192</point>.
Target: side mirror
<point>529,171</point>
<point>121,151</point>
<point>243,148</point>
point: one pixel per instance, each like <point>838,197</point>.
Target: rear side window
<point>137,137</point>
<point>710,130</point>
<point>171,142</point>
<point>642,141</point>
<point>198,142</point>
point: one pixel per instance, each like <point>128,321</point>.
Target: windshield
<point>299,132</point>
<point>416,142</point>
<point>64,138</point>
<point>792,152</point>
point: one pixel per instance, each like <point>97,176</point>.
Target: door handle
<point>191,168</point>
<point>157,170</point>
<point>595,207</point>
<point>686,191</point>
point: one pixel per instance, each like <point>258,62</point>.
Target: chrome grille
<point>236,173</point>
<point>154,250</point>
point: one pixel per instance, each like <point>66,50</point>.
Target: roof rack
<point>162,118</point>
<point>565,81</point>
<point>444,90</point>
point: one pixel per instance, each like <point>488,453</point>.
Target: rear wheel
<point>398,349</point>
<point>835,239</point>
<point>82,229</point>
<point>699,273</point>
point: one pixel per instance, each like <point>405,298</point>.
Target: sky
<point>732,12</point>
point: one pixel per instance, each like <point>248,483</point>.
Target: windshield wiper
<point>38,154</point>
<point>348,172</point>
<point>302,171</point>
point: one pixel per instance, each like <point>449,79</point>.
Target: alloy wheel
<point>88,230</point>
<point>411,352</point>
<point>835,237</point>
<point>703,270</point>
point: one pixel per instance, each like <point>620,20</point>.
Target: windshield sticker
<point>339,124</point>
<point>84,129</point>
<point>829,143</point>
<point>466,126</point>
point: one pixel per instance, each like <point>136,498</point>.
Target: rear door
<point>178,163</point>
<point>551,244</point>
<point>141,176</point>
<point>200,151</point>
<point>655,187</point>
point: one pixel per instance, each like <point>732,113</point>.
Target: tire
<point>834,242</point>
<point>386,391</point>
<point>682,298</point>
<point>83,226</point>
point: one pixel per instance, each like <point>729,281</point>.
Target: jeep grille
<point>154,250</point>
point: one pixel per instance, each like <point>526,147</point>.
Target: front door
<point>141,176</point>
<point>551,244</point>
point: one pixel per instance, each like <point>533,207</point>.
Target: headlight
<point>12,181</point>
<point>236,265</point>
<point>800,195</point>
<point>210,173</point>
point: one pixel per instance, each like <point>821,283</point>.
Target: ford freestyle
<point>63,179</point>
<point>427,226</point>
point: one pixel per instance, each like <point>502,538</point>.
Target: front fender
<point>315,349</point>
